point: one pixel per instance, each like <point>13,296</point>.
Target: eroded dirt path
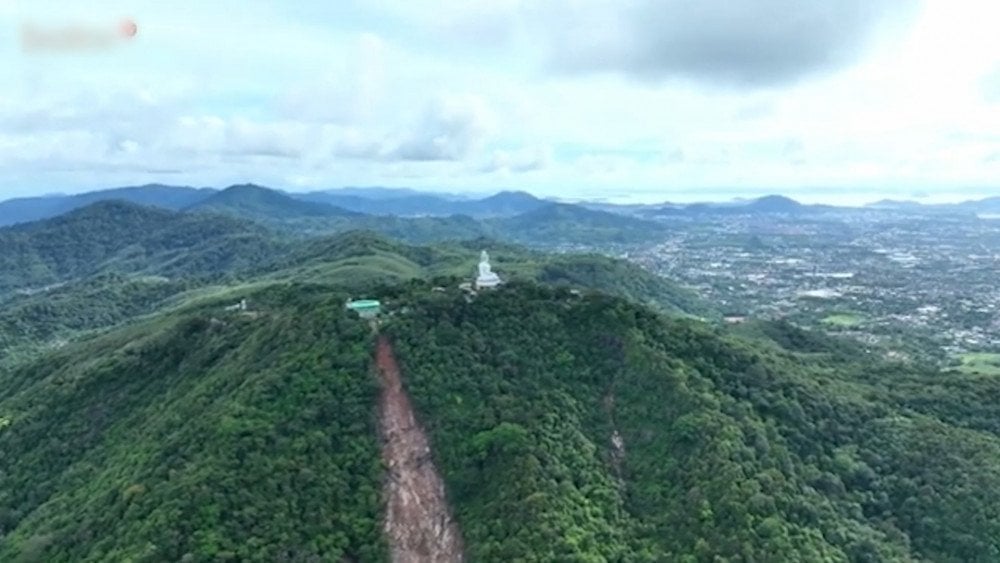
<point>418,522</point>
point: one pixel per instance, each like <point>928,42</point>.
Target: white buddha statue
<point>486,276</point>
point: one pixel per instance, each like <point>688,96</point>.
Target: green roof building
<point>366,308</point>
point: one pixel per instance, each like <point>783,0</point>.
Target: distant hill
<point>380,193</point>
<point>256,202</point>
<point>894,204</point>
<point>417,204</point>
<point>116,236</point>
<point>23,210</point>
<point>556,223</point>
<point>987,205</point>
<point>772,204</point>
<point>544,223</point>
<point>503,204</point>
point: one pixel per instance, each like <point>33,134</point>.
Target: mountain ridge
<point>407,202</point>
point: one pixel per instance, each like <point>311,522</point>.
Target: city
<point>917,283</point>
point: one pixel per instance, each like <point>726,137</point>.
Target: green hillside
<point>562,223</point>
<point>567,427</point>
<point>122,237</point>
<point>256,202</point>
<point>197,436</point>
<point>102,265</point>
<point>731,449</point>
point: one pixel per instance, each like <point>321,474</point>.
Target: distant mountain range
<point>770,204</point>
<point>23,210</point>
<point>251,199</point>
<point>510,216</point>
<point>261,203</point>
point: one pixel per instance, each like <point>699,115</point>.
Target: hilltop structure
<point>366,308</point>
<point>486,279</point>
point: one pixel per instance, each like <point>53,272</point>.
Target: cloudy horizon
<point>629,101</point>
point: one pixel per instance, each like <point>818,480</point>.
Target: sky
<point>841,101</point>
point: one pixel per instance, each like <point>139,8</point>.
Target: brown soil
<point>418,522</point>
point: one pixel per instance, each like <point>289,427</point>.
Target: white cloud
<point>450,128</point>
<point>456,95</point>
<point>529,159</point>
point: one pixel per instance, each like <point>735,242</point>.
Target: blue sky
<point>627,100</point>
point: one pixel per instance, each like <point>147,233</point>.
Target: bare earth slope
<point>418,522</point>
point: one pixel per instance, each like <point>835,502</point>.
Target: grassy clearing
<point>982,363</point>
<point>845,320</point>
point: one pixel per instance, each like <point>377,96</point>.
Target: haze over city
<point>842,102</point>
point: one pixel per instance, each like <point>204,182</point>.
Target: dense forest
<point>587,410</point>
<point>197,436</point>
<point>587,428</point>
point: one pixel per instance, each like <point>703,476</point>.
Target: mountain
<point>542,223</point>
<point>894,204</point>
<point>24,210</point>
<point>557,223</point>
<point>771,204</point>
<point>541,425</point>
<point>421,204</point>
<point>115,236</point>
<point>409,205</point>
<point>774,204</point>
<point>503,204</point>
<point>256,202</point>
<point>378,193</point>
<point>108,263</point>
<point>987,205</point>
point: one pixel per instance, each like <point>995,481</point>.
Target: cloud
<point>450,129</point>
<point>348,92</point>
<point>991,86</point>
<point>519,161</point>
<point>736,43</point>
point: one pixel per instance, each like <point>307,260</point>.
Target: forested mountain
<point>500,204</point>
<point>256,202</point>
<point>24,210</point>
<point>105,264</point>
<point>565,426</point>
<point>124,237</point>
<point>419,218</point>
<point>766,205</point>
<point>566,223</point>
<point>512,216</point>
